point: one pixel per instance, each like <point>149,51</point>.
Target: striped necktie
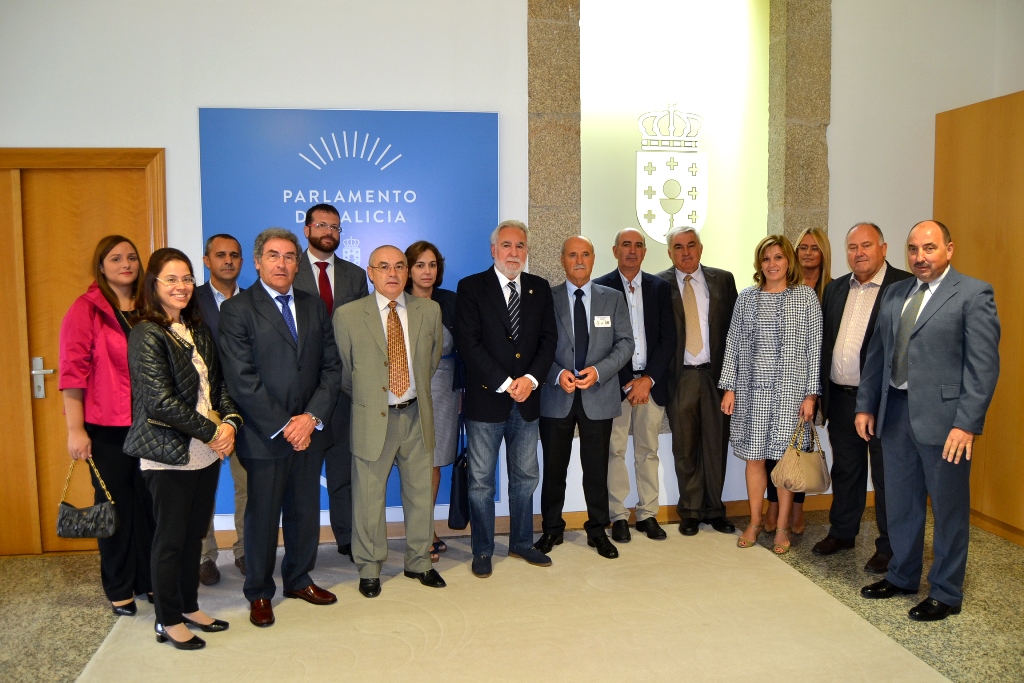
<point>513,309</point>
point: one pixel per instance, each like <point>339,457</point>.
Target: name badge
<point>602,321</point>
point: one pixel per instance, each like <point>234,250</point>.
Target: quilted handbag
<point>800,470</point>
<point>458,507</point>
<point>95,521</point>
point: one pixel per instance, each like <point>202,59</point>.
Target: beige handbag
<point>802,471</point>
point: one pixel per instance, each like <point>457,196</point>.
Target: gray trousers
<point>700,444</point>
<point>238,475</point>
<point>403,446</point>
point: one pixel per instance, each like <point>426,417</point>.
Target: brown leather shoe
<point>314,595</point>
<point>240,563</point>
<point>878,564</point>
<point>261,613</point>
<point>208,573</point>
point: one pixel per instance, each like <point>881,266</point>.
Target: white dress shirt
<point>587,288</point>
<point>313,260</point>
<point>403,316</point>
<point>635,301</point>
<point>703,296</point>
<point>929,290</point>
<point>219,298</point>
<point>854,327</point>
<point>503,281</point>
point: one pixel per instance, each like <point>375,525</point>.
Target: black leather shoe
<point>216,627</point>
<point>429,578</point>
<point>689,527</point>
<point>127,610</point>
<point>481,566</point>
<point>721,525</point>
<point>208,573</point>
<point>370,588</point>
<point>548,541</point>
<point>193,643</point>
<point>878,564</point>
<point>882,590</point>
<point>651,527</point>
<point>605,548</point>
<point>620,531</point>
<point>240,563</point>
<point>831,545</point>
<point>346,549</point>
<point>932,610</point>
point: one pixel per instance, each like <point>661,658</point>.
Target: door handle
<point>38,373</point>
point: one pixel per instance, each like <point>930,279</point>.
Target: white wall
<point>895,65</point>
<point>124,73</point>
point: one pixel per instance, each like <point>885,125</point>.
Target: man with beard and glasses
<point>336,282</point>
<point>506,334</point>
<point>223,258</point>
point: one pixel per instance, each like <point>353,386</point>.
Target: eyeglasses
<point>174,280</point>
<point>328,226</point>
<point>387,268</point>
<point>274,257</point>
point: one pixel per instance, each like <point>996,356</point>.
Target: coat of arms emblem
<point>671,173</point>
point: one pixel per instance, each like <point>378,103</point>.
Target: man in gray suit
<point>336,282</point>
<point>390,345</point>
<point>930,373</point>
<point>595,339</point>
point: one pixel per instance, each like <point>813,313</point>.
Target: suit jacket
<point>271,377</point>
<point>953,356</point>
<point>609,348</point>
<point>364,358</point>
<point>208,307</point>
<point>659,331</point>
<point>721,300</point>
<point>484,340</point>
<point>833,303</point>
<point>349,280</point>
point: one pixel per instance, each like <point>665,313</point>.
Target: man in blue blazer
<point>929,377</point>
<point>582,390</point>
<point>644,382</point>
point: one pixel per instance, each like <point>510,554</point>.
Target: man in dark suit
<point>506,335</point>
<point>281,362</point>
<point>336,282</point>
<point>644,382</point>
<point>223,258</point>
<point>702,300</point>
<point>849,309</point>
<point>928,379</point>
<point>582,391</point>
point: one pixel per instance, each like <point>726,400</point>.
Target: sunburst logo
<point>357,151</point>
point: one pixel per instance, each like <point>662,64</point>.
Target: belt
<point>846,389</point>
<point>403,405</point>
<point>901,392</point>
<point>638,373</point>
<point>702,366</point>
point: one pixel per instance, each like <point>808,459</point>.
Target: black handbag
<point>458,506</point>
<point>95,521</point>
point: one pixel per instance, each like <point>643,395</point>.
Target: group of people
<point>163,379</point>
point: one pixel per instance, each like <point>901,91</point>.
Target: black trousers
<point>183,503</point>
<point>700,444</point>
<point>556,439</point>
<point>338,464</point>
<point>850,457</point>
<point>287,489</point>
<point>124,557</point>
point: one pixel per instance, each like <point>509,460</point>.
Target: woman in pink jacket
<point>98,408</point>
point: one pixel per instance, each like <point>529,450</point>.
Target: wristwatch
<point>316,421</point>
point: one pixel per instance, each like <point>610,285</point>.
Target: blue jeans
<point>523,476</point>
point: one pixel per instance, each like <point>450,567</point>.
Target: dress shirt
<point>503,281</point>
<point>703,296</point>
<point>570,288</point>
<point>313,260</point>
<point>219,298</point>
<point>291,305</point>
<point>854,326</point>
<point>929,290</point>
<point>635,301</point>
<point>403,315</point>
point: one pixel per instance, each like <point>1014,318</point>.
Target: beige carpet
<point>696,609</point>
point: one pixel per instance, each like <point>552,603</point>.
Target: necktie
<point>286,311</point>
<point>513,309</point>
<point>694,342</point>
<point>580,330</point>
<point>900,365</point>
<point>325,287</point>
<point>398,362</point>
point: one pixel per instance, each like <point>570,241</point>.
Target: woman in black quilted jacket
<point>178,400</point>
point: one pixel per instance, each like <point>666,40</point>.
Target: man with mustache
<point>223,258</point>
<point>505,331</point>
<point>336,282</point>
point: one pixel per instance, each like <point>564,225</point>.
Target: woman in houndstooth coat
<point>770,374</point>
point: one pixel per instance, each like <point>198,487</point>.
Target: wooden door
<point>67,200</point>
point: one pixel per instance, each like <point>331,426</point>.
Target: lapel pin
<point>531,291</point>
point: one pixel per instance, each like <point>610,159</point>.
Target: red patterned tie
<point>325,287</point>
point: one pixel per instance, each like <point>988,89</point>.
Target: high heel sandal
<point>744,543</point>
<point>193,643</point>
<point>780,548</point>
